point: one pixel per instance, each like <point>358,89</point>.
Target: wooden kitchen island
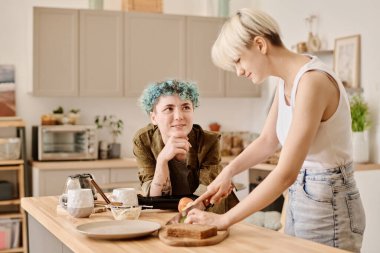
<point>52,231</point>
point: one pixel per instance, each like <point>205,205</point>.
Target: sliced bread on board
<point>195,231</point>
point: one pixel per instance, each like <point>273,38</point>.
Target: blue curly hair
<point>185,90</point>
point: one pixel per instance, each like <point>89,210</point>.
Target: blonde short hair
<point>239,31</point>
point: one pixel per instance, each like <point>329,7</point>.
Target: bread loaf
<point>195,231</point>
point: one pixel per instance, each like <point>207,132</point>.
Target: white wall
<point>233,114</point>
<point>339,18</point>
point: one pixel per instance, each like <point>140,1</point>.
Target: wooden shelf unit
<point>10,202</point>
<point>19,167</point>
<point>13,250</point>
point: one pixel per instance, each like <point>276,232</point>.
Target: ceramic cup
<point>80,202</point>
<point>127,196</point>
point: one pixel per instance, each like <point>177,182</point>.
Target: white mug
<point>80,202</point>
<point>127,196</point>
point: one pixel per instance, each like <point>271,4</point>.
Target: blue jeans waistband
<point>342,171</point>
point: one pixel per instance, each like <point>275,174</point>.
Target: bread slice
<point>195,231</point>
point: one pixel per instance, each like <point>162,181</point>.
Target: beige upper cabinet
<point>55,58</point>
<point>101,53</point>
<point>114,53</point>
<point>201,35</point>
<point>154,50</point>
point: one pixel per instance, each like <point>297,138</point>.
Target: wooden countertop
<point>366,166</point>
<point>243,237</point>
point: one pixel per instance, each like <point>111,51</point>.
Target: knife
<point>203,206</point>
<point>181,216</point>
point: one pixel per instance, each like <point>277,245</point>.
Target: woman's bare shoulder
<point>316,79</point>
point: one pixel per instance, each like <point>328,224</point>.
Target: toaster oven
<point>64,142</point>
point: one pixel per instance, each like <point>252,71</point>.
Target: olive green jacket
<point>203,160</point>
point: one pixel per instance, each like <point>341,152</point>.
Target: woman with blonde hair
<point>310,119</point>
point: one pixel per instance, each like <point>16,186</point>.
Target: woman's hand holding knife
<point>220,188</point>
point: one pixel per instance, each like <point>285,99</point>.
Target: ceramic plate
<point>116,229</point>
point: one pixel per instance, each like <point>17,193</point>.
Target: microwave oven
<point>64,142</point>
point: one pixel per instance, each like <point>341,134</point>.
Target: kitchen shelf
<point>9,167</point>
<point>10,202</point>
<point>12,123</point>
<point>11,162</point>
<point>11,215</point>
<point>321,52</point>
<point>19,166</point>
<point>12,250</point>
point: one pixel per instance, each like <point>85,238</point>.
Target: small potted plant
<point>74,116</point>
<point>115,127</point>
<point>360,125</point>
<point>58,115</point>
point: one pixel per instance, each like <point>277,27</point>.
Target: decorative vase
<point>224,8</point>
<point>360,147</point>
<point>73,118</point>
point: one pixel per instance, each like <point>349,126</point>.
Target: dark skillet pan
<point>163,202</point>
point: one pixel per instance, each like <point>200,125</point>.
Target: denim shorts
<point>324,206</point>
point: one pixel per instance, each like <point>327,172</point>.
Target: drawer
<point>52,182</point>
<point>124,175</point>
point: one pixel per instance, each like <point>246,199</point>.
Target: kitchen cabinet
<point>101,53</point>
<point>52,182</point>
<point>123,177</point>
<point>212,81</point>
<point>201,34</point>
<point>77,53</point>
<point>113,53</point>
<point>55,52</point>
<point>154,47</point>
<point>367,177</point>
<point>49,177</point>
<point>252,176</point>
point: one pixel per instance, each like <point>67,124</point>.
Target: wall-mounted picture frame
<point>347,60</point>
<point>7,91</point>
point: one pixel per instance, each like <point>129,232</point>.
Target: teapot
<point>77,181</point>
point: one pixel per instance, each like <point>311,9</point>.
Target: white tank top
<point>332,145</point>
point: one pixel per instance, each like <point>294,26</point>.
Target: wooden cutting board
<point>191,242</point>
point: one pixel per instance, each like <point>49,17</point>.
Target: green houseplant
<point>359,114</point>
<point>58,115</point>
<point>360,124</point>
<point>115,127</point>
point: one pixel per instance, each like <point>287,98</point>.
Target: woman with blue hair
<point>174,155</point>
